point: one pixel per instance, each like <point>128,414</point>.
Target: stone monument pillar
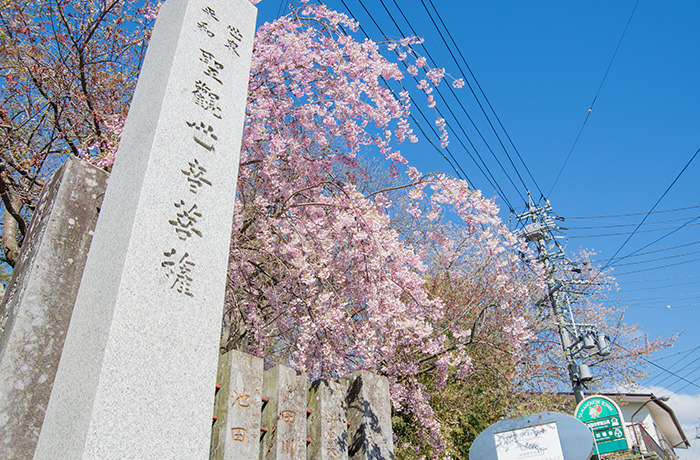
<point>327,425</point>
<point>137,374</point>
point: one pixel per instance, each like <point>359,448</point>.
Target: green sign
<point>604,418</point>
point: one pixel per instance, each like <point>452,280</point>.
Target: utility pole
<point>539,228</point>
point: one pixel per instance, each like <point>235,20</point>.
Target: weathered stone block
<point>284,415</point>
<point>39,302</point>
<point>326,426</point>
<point>236,431</point>
<point>369,414</point>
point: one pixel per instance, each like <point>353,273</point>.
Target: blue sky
<point>541,64</point>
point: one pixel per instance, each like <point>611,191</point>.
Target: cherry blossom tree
<point>320,276</point>
<point>68,69</point>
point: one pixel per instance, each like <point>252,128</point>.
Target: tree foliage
<point>68,70</point>
<point>319,275</point>
<point>506,380</point>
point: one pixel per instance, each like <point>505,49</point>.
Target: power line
<point>459,171</point>
<point>279,10</point>
<point>494,183</point>
<point>438,149</point>
<point>693,283</point>
<point>654,260</point>
<point>686,374</point>
<point>679,360</point>
<point>595,98</point>
<point>677,296</point>
<point>476,81</point>
<point>631,254</point>
<point>596,235</point>
<point>488,120</point>
<point>439,91</point>
<point>663,279</point>
<point>656,222</point>
<point>678,381</point>
<point>456,167</point>
<point>667,307</point>
<point>677,353</point>
<point>633,213</point>
<point>657,268</point>
<point>654,207</point>
<point>660,367</point>
<point>671,248</point>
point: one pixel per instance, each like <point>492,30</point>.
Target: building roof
<point>664,417</point>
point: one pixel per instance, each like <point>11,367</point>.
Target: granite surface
<point>236,430</point>
<point>369,414</point>
<point>140,357</point>
<point>40,298</point>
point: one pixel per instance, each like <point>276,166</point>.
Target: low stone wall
<point>276,414</point>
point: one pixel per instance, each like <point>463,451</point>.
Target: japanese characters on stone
<point>178,263</point>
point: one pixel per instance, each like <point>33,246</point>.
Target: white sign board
<point>540,442</point>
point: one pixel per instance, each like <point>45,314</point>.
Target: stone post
<point>327,424</point>
<point>139,364</point>
<point>369,414</point>
<point>284,415</point>
<point>236,430</point>
<point>40,297</point>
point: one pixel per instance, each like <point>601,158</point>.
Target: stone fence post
<point>324,420</point>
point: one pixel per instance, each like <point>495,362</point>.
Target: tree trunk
<point>10,243</point>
